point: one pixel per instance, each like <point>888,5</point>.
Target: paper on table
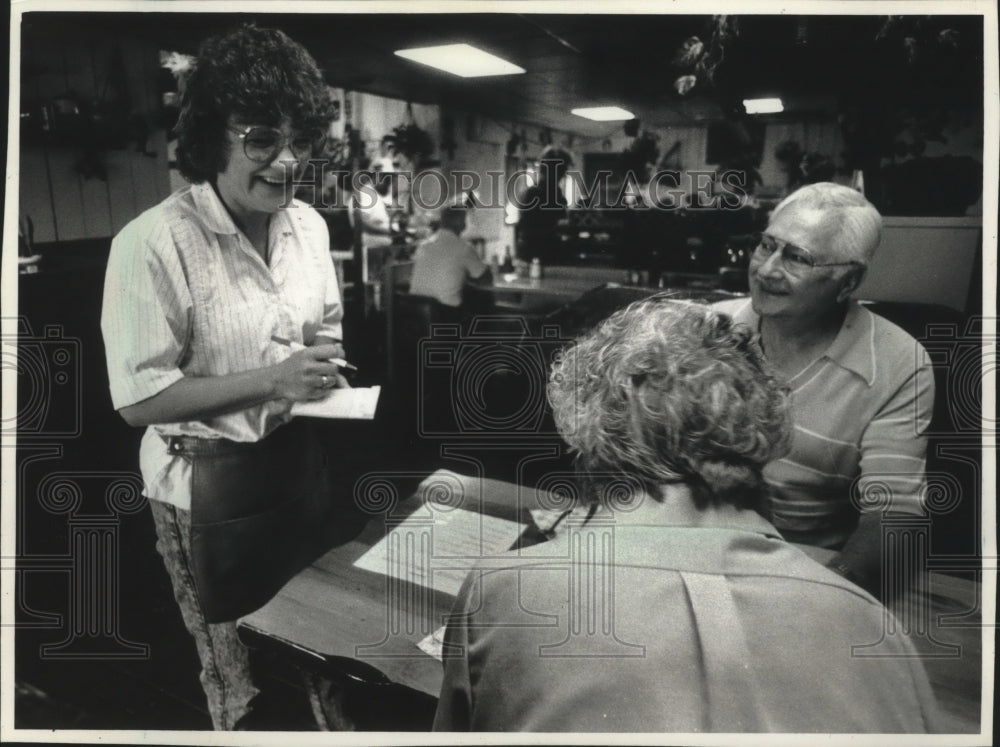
<point>433,644</point>
<point>346,404</point>
<point>437,547</point>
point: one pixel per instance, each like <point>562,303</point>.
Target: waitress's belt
<point>195,445</point>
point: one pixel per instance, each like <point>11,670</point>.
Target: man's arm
<point>477,272</point>
<point>893,451</point>
<point>860,559</point>
<point>485,278</point>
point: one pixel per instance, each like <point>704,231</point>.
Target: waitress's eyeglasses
<point>794,260</point>
<point>263,144</point>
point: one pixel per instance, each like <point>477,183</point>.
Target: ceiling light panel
<point>604,113</point>
<point>763,106</point>
<point>461,59</point>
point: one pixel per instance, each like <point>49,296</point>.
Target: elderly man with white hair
<point>862,388</point>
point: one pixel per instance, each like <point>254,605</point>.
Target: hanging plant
<point>690,52</point>
<point>684,84</point>
<point>180,65</point>
<point>347,153</point>
<point>924,43</point>
<point>697,61</point>
<point>412,142</point>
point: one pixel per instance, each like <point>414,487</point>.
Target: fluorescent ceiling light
<point>461,59</point>
<point>763,106</point>
<point>604,113</point>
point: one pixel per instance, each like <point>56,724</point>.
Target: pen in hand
<point>299,346</point>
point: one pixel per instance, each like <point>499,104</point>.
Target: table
<point>561,287</point>
<point>557,286</point>
<point>334,618</point>
<point>534,294</point>
<point>366,625</point>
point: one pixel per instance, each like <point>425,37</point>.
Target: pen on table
<point>559,521</point>
<point>550,532</point>
<point>299,346</point>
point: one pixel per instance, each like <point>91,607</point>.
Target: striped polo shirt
<point>186,294</point>
<point>860,411</point>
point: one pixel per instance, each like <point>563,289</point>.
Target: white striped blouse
<point>187,295</point>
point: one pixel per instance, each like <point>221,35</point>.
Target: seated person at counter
<point>542,206</point>
<point>445,262</point>
<point>698,616</point>
<point>862,388</point>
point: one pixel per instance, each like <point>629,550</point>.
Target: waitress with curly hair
<point>197,287</point>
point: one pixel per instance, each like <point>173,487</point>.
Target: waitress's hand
<point>307,374</point>
<point>324,340</point>
<point>341,382</point>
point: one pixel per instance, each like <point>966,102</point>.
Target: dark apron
<point>260,513</point>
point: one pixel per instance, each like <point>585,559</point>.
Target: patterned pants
<point>225,662</point>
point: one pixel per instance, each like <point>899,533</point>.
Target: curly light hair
<point>670,392</point>
<point>259,75</point>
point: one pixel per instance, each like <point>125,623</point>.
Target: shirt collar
<point>854,346</point>
<point>677,509</point>
<point>746,315</point>
<point>217,219</point>
<point>211,209</point>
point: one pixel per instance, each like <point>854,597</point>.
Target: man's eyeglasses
<point>793,259</point>
<point>262,144</point>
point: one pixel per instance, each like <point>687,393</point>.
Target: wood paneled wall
<point>62,204</point>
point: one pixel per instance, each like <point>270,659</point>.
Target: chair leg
<point>327,700</point>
